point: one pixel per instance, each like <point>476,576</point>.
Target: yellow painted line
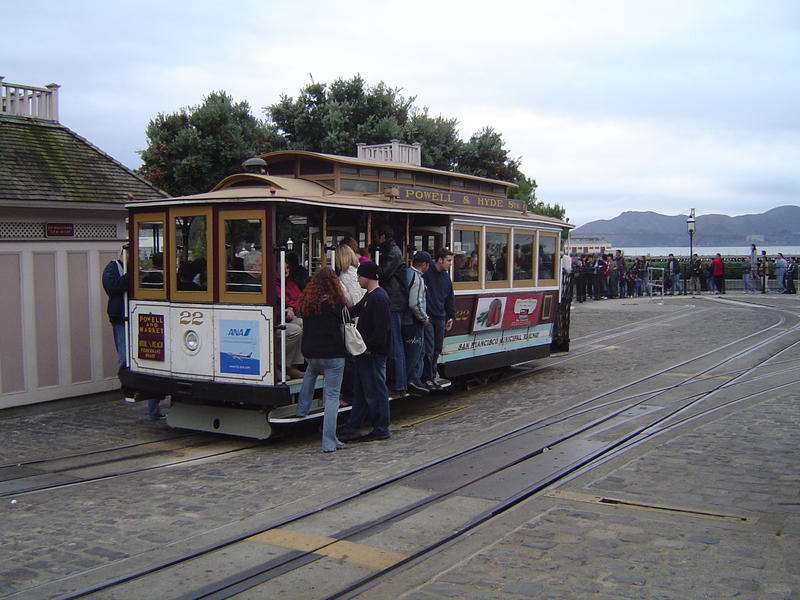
<point>436,416</point>
<point>359,554</point>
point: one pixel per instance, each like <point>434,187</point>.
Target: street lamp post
<point>690,225</point>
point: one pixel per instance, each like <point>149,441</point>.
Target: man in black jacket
<point>393,281</point>
<point>371,398</point>
<point>115,283</point>
<point>441,307</point>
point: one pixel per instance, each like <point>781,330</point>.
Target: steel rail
<point>388,481</point>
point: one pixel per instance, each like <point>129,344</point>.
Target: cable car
<point>206,320</point>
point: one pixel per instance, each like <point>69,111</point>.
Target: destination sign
<point>151,337</point>
<point>451,198</point>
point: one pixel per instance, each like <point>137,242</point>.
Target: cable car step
<point>288,414</point>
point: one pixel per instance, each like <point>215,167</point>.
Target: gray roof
<point>43,161</point>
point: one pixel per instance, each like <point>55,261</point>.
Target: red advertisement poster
<point>522,310</point>
<point>151,337</point>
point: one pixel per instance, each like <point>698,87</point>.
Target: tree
<point>527,192</point>
<point>334,119</point>
<point>485,156</point>
<point>190,151</point>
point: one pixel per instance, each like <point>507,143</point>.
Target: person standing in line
<point>371,398</point>
<point>673,273</point>
<point>788,277</point>
<point>393,280</point>
<point>747,275</point>
<point>322,303</point>
<point>440,305</point>
<point>115,284</point>
<point>718,271</point>
<point>780,270</point>
<point>415,321</point>
<point>697,272</point>
<point>754,265</point>
<point>618,280</point>
<point>763,272</point>
<point>580,280</point>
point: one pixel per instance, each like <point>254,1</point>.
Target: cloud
<point>621,105</point>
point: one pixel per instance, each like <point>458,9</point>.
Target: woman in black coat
<point>321,304</point>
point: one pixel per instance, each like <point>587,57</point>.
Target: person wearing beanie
<point>371,397</point>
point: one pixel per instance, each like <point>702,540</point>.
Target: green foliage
<point>485,156</point>
<point>527,192</point>
<point>190,151</point>
<point>334,119</point>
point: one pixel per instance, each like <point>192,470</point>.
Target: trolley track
<point>43,475</point>
<point>528,449</point>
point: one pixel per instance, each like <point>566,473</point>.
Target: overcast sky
<point>612,105</point>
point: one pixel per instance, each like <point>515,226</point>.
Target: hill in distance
<point>777,227</point>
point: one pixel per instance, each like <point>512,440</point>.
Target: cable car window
<point>243,253</point>
<point>357,185</point>
<point>191,253</point>
<point>150,251</point>
<point>313,166</point>
<point>547,259</point>
<point>148,256</point>
<point>388,174</point>
<point>283,167</point>
<point>496,256</point>
<point>523,258</point>
<point>404,175</point>
<point>348,170</point>
<point>369,172</point>
<point>466,250</point>
<point>424,178</point>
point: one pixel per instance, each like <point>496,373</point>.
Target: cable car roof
<point>250,187</point>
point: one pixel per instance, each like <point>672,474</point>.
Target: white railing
<point>394,151</point>
<point>29,101</point>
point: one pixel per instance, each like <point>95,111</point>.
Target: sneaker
<point>159,417</point>
<point>417,390</point>
<point>432,385</point>
<point>346,437</point>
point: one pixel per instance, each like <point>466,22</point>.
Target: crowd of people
<point>402,315</point>
<point>600,276</point>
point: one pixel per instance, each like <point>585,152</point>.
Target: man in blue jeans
<point>371,398</point>
<point>441,308</point>
<point>115,283</point>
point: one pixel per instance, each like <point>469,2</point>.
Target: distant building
<point>62,218</point>
<point>588,245</point>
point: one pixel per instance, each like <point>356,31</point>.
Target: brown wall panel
<point>11,361</point>
<point>46,316</point>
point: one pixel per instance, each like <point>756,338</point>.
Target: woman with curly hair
<point>321,303</point>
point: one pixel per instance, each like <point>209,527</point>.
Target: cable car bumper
<point>206,391</point>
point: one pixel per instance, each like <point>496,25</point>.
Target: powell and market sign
<point>459,198</point>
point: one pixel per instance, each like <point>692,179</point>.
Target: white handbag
<point>353,342</point>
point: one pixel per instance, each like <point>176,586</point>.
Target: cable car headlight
<point>191,340</point>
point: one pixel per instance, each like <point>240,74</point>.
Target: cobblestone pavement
<point>743,462</point>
